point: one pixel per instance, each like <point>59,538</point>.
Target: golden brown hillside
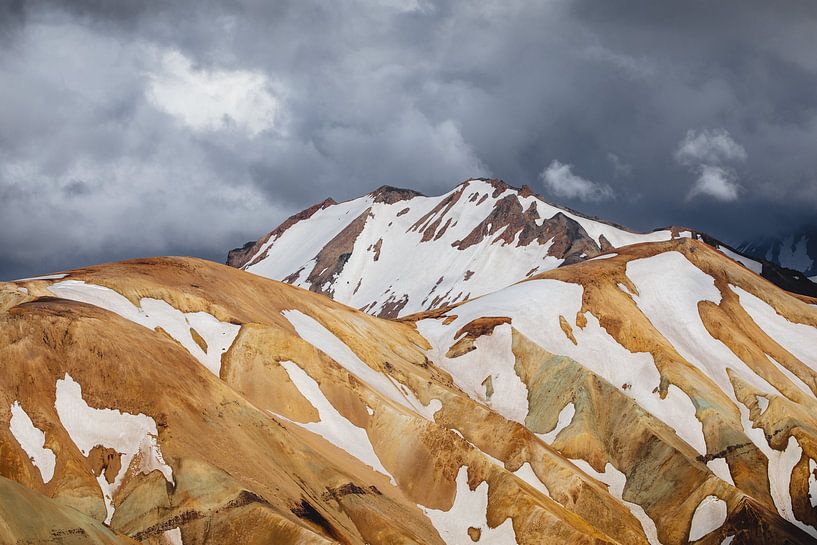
<point>174,400</point>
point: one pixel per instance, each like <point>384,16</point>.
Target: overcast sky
<point>147,127</point>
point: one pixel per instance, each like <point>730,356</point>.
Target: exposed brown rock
<point>570,241</point>
<point>482,326</point>
<point>332,257</point>
<point>390,195</point>
<point>198,339</point>
<point>567,329</point>
<point>105,461</point>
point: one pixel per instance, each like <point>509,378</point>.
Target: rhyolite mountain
<point>565,381</point>
<point>661,393</point>
<point>395,252</point>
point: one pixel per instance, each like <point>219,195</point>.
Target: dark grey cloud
<point>139,128</point>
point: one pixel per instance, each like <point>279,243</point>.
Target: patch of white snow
<point>708,517</point>
<point>32,440</point>
<point>127,434</point>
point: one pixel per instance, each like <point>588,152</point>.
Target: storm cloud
<point>138,128</point>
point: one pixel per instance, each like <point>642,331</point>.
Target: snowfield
<point>32,441</point>
<point>535,307</point>
<point>218,336</point>
<point>616,481</point>
<point>332,425</point>
<point>127,434</point>
<point>324,340</point>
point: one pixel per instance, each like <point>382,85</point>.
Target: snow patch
<point>616,481</point>
<point>763,403</point>
<point>526,473</point>
<point>812,482</point>
<point>324,340</point>
<point>535,308</point>
<point>798,339</point>
<point>333,426</point>
<point>797,381</point>
<point>32,440</point>
<point>780,467</point>
<point>494,359</point>
<point>44,277</point>
<point>708,517</point>
<point>603,256</point>
<point>127,434</point>
<point>173,537</point>
<point>670,288</point>
<point>750,264</point>
<point>470,510</point>
<point>217,335</point>
<point>720,468</point>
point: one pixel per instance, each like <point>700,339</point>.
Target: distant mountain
<point>797,251</point>
<point>395,252</point>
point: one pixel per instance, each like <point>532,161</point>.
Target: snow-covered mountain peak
<point>395,251</point>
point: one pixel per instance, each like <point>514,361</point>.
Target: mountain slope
<point>724,359</point>
<point>797,251</point>
<point>395,252</point>
<point>286,443</point>
<point>659,395</point>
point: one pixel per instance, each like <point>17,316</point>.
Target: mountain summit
<point>396,252</point>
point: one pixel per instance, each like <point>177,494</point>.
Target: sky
<point>139,128</point>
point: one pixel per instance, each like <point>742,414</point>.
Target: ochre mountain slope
<point>611,401</point>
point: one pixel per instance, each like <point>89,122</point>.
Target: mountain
<point>661,393</point>
<point>797,251</point>
<point>396,252</point>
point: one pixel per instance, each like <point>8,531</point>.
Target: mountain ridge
<point>522,229</point>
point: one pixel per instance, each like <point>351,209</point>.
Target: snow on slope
<point>127,434</point>
<point>32,440</point>
<point>535,308</point>
<point>332,425</point>
<point>492,360</point>
<point>708,517</point>
<point>798,339</point>
<point>324,340</point>
<point>564,419</point>
<point>305,239</point>
<point>670,288</point>
<point>797,250</point>
<point>218,336</point>
<point>780,467</point>
<point>470,510</point>
<point>422,252</point>
<point>616,481</point>
<point>750,264</point>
